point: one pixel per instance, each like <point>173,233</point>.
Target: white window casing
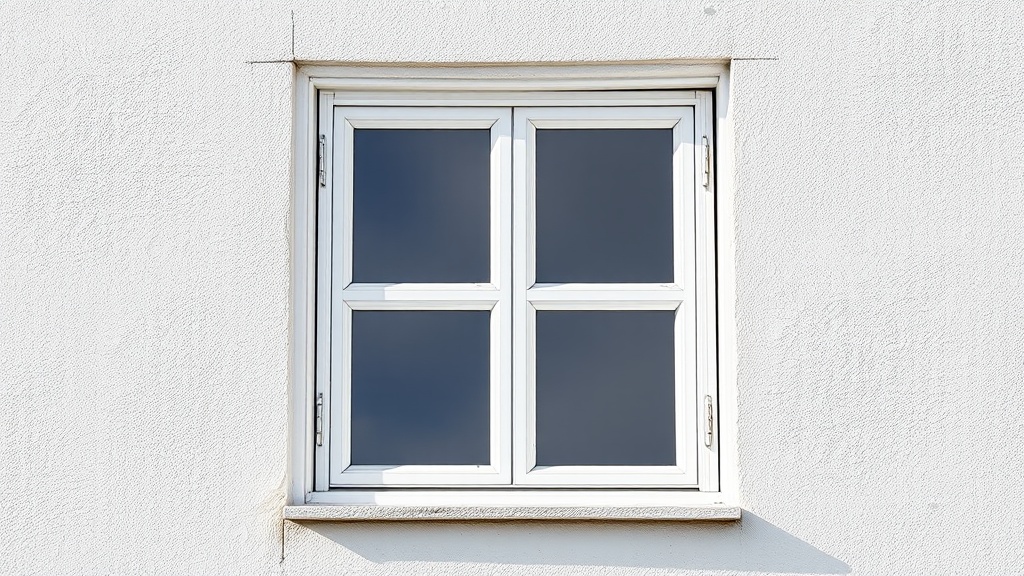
<point>325,474</point>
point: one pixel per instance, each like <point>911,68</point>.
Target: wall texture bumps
<point>144,226</point>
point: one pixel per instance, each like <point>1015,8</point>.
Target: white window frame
<point>520,87</point>
<point>678,295</point>
<point>335,286</point>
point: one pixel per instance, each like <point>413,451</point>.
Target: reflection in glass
<point>605,388</point>
<point>421,206</point>
<point>604,205</point>
<point>420,387</point>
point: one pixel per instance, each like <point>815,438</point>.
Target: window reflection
<point>605,388</point>
<point>604,205</point>
<point>420,387</point>
<point>421,206</point>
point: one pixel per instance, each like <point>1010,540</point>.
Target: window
<point>514,290</point>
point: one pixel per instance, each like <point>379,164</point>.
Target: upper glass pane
<point>421,206</point>
<point>605,388</point>
<point>420,387</point>
<point>604,205</point>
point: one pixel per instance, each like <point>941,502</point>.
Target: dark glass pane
<point>420,387</point>
<point>605,388</point>
<point>421,206</point>
<point>604,205</point>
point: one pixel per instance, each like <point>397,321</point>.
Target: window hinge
<point>707,162</point>
<point>709,421</point>
<point>320,419</point>
<point>321,171</point>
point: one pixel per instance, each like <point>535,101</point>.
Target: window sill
<point>377,513</point>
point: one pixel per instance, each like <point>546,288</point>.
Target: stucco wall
<point>144,224</point>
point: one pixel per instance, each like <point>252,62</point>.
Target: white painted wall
<point>144,233</point>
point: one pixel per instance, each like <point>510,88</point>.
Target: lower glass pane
<point>420,387</point>
<point>605,391</point>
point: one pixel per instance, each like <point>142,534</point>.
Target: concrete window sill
<point>378,513</point>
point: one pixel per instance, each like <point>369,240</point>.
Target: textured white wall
<point>144,226</point>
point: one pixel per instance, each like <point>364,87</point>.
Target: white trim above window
<point>511,297</point>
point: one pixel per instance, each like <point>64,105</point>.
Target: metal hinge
<point>707,162</point>
<point>320,419</point>
<point>709,421</point>
<point>321,170</point>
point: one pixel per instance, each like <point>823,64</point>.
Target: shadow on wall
<point>751,545</point>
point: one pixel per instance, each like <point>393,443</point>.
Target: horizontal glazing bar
<point>428,292</point>
<point>639,293</point>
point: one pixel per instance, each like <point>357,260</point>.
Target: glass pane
<point>604,205</point>
<point>420,387</point>
<point>605,388</point>
<point>421,206</point>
